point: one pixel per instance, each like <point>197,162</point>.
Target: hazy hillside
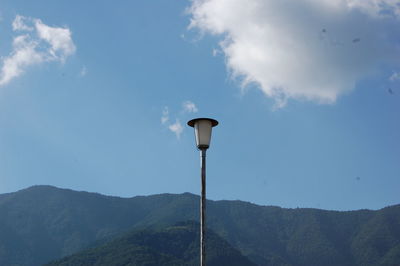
<point>173,245</point>
<point>43,223</point>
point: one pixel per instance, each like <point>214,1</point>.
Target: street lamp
<point>202,130</point>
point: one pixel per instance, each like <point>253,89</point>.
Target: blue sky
<point>96,98</point>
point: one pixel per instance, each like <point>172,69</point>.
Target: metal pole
<point>203,209</point>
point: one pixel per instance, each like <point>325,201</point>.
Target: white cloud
<point>176,128</point>
<point>306,49</point>
<point>165,115</point>
<point>189,107</point>
<point>39,43</point>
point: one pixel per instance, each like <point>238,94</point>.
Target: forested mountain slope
<point>43,223</point>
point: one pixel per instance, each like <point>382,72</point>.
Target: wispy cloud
<point>59,39</point>
<point>215,52</point>
<point>189,107</point>
<point>165,115</point>
<point>35,44</point>
<point>19,24</point>
<point>176,128</point>
<point>24,54</point>
<point>377,8</point>
<point>83,71</point>
<point>291,55</point>
<point>395,76</point>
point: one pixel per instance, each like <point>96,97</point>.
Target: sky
<point>307,94</point>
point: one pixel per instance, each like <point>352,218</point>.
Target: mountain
<point>173,245</point>
<point>43,223</point>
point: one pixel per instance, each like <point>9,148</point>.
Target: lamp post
<point>202,130</point>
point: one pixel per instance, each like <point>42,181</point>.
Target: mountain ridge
<point>42,223</point>
<point>34,187</point>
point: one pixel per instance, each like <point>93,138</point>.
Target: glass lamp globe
<point>202,129</point>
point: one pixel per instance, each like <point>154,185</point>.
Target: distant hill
<point>43,223</point>
<point>173,245</point>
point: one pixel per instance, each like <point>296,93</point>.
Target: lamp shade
<point>202,130</point>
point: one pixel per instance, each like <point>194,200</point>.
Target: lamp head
<point>202,129</point>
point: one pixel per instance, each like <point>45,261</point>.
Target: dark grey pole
<point>203,209</point>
